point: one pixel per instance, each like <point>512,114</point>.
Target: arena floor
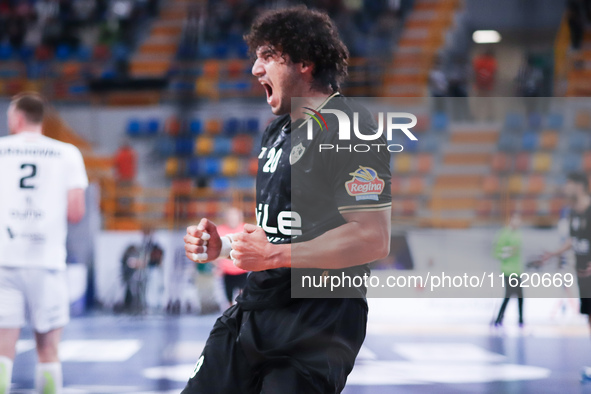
<point>155,354</point>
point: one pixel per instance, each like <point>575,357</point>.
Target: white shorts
<point>41,295</point>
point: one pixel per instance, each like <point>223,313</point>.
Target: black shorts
<point>308,346</point>
<point>585,294</point>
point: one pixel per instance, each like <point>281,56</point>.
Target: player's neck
<point>29,130</point>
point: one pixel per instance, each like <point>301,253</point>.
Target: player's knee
<point>5,374</point>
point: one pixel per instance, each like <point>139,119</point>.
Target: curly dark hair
<point>304,35</point>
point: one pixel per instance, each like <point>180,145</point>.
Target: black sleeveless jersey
<point>303,187</point>
<point>580,231</point>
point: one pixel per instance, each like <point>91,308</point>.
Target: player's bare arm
<point>76,205</point>
<point>563,249</point>
<point>363,239</point>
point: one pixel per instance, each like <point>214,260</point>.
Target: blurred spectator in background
<point>125,164</point>
<point>152,254</point>
<point>508,251</point>
<point>125,171</point>
<point>576,23</point>
<point>457,77</point>
<point>530,78</point>
<point>484,69</point>
<point>234,278</point>
<point>132,278</point>
<point>485,72</point>
<point>438,85</point>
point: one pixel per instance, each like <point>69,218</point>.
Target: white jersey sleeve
<point>36,174</point>
<point>77,178</point>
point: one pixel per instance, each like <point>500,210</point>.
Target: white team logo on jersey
<point>197,366</point>
<point>296,153</point>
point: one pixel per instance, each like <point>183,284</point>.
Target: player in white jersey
<point>42,184</point>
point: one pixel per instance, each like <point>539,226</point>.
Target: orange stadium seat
<point>501,162</point>
<point>211,69</point>
<point>491,185</point>
<point>203,146</point>
<point>408,207</point>
<point>230,166</point>
<point>396,186</point>
<point>171,167</point>
<point>548,140</point>
<point>415,185</point>
<point>583,120</point>
<point>424,162</point>
<point>253,166</point>
<point>556,205</point>
<point>213,126</point>
<point>535,184</point>
<point>522,162</point>
<point>403,163</point>
<point>587,162</point>
<point>172,126</point>
<point>515,185</point>
<point>242,144</point>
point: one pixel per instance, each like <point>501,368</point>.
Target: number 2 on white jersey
<point>31,171</point>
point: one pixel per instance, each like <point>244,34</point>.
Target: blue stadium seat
<point>5,51</point>
<point>193,166</point>
<point>409,146</point>
<point>578,141</point>
<point>165,146</point>
<point>571,162</point>
<point>206,51</point>
<point>195,127</point>
<point>119,52</point>
<point>506,142</point>
<point>62,52</point>
<point>222,146</point>
<point>428,143</point>
<point>244,183</point>
<point>534,121</point>
<point>555,121</point>
<point>513,121</point>
<point>219,184</point>
<point>210,166</point>
<point>529,141</point>
<point>26,53</point>
<point>152,126</point>
<point>184,146</point>
<point>84,53</point>
<point>252,125</point>
<point>231,127</point>
<point>133,128</point>
<point>439,121</point>
<point>221,51</point>
<point>78,89</point>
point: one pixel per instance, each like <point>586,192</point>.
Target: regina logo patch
<point>296,153</point>
<point>365,185</point>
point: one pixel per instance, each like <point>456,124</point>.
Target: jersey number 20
<point>32,171</point>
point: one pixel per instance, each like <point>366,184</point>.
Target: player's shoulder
<point>275,126</point>
<point>66,147</point>
<point>355,112</point>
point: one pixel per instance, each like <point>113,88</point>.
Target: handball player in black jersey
<point>576,191</point>
<point>318,213</point>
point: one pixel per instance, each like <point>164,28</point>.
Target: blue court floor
<point>156,354</point>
